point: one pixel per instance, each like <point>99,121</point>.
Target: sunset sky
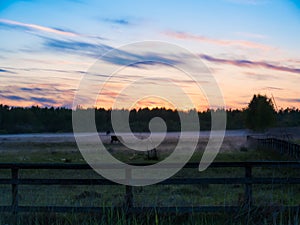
<point>249,46</point>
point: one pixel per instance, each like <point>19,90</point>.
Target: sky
<point>242,47</point>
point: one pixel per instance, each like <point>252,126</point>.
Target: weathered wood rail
<point>283,146</point>
<point>247,180</point>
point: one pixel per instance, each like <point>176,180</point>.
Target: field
<point>66,151</point>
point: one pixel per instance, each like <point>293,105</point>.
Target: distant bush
<point>243,149</point>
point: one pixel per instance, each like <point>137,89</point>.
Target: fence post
<point>248,186</point>
<point>129,197</point>
<point>14,188</point>
<point>129,191</point>
<point>15,197</point>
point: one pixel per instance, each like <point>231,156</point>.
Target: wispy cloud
<point>12,97</point>
<point>120,21</point>
<point>251,35</point>
<point>111,94</point>
<point>43,100</point>
<point>36,89</point>
<point>250,64</point>
<point>31,89</point>
<point>120,57</point>
<point>200,38</point>
<point>11,24</point>
<point>86,48</point>
<point>272,88</point>
<point>6,71</point>
<point>292,100</point>
<point>40,69</point>
<point>34,27</point>
<point>259,76</point>
<point>38,94</point>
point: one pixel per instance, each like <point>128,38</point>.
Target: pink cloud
<point>39,28</point>
<point>241,43</point>
<point>250,64</point>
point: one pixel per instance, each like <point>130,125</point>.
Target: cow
<point>152,154</point>
<point>115,138</point>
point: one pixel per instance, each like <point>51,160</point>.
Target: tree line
<point>49,119</point>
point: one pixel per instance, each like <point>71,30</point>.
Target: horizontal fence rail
<point>247,180</point>
<point>283,146</point>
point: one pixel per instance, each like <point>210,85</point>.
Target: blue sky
<point>250,47</point>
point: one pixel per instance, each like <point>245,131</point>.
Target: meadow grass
<point>154,195</point>
<point>297,141</point>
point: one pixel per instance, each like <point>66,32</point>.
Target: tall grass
<point>268,216</point>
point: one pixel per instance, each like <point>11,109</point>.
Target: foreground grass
<point>266,216</point>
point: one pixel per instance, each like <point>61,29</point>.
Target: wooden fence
<point>283,146</point>
<point>247,180</point>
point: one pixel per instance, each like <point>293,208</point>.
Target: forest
<point>54,120</point>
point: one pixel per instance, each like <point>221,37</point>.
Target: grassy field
<point>155,195</point>
<point>297,141</point>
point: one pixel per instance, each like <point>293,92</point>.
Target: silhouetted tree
<point>260,113</point>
